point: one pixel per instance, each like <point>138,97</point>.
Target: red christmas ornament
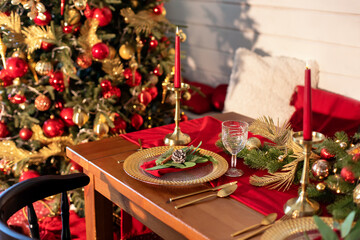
<point>28,174</point>
<point>137,121</point>
<point>158,71</point>
<point>40,21</point>
<point>105,85</point>
<point>42,103</point>
<point>75,167</point>
<point>165,40</point>
<point>7,80</point>
<point>157,10</point>
<point>100,51</point>
<point>46,46</point>
<point>347,175</point>
<point>57,81</point>
<point>145,97</point>
<point>103,15</point>
<point>71,28</point>
<point>84,61</point>
<point>119,124</point>
<point>129,77</point>
<point>16,67</point>
<point>153,43</point>
<point>356,157</point>
<point>4,132</point>
<point>153,91</point>
<point>66,115</point>
<point>25,133</point>
<point>53,127</point>
<point>112,92</point>
<point>17,98</point>
<point>325,154</point>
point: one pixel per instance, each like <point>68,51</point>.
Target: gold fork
<point>283,218</point>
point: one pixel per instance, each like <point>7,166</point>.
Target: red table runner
<point>207,130</point>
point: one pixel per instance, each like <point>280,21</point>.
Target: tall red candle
<point>307,117</point>
<point>177,77</point>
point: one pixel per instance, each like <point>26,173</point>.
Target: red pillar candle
<point>177,77</point>
<point>307,117</point>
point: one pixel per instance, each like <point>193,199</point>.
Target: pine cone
<point>178,156</point>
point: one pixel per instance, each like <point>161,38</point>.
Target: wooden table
<point>214,219</point>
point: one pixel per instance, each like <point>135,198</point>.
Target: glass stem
<point>233,160</point>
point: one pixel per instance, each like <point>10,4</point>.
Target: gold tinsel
<point>113,67</point>
<point>13,24</point>
<point>88,37</point>
<point>282,137</point>
<point>34,35</point>
<point>143,21</point>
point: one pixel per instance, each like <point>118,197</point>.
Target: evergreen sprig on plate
<point>192,157</point>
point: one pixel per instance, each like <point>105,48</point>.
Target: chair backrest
<point>25,193</point>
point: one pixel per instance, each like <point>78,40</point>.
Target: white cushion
<point>262,86</point>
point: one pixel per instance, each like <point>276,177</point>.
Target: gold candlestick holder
<point>302,206</point>
<point>177,137</point>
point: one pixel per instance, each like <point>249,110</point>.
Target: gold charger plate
<point>187,177</point>
<point>294,229</point>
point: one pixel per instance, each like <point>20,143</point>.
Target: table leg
<point>98,213</point>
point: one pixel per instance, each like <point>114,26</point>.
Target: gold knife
<point>202,191</point>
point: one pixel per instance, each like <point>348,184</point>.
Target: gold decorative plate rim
<point>285,229</point>
<point>132,167</point>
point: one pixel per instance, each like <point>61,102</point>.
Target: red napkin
<point>160,172</point>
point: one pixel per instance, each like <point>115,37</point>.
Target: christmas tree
<point>76,71</point>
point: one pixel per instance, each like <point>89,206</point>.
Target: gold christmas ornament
<point>43,67</point>
<point>320,187</point>
<point>163,12</point>
<point>186,96</point>
<point>281,158</point>
<point>253,143</point>
<point>42,103</point>
<point>320,169</point>
<point>126,51</point>
<point>101,129</point>
<point>73,16</point>
<point>356,195</point>
<point>17,82</point>
<point>80,118</point>
<point>19,54</point>
<point>112,52</point>
<point>80,4</point>
<point>183,36</point>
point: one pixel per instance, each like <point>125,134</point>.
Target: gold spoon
<point>267,220</point>
<point>226,191</point>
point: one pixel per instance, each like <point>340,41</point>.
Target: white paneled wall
<point>327,31</point>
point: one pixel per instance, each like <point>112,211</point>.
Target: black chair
<point>29,191</point>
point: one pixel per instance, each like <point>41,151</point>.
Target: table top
<point>212,219</point>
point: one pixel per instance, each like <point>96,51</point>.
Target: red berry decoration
<point>153,92</point>
<point>137,121</point>
<point>105,85</point>
<point>71,28</point>
<point>356,157</point>
<point>145,97</point>
<point>157,10</point>
<point>112,92</point>
<point>57,81</point>
<point>325,154</point>
<point>53,127</point>
<point>119,124</point>
<point>103,15</point>
<point>66,115</point>
<point>100,51</point>
<point>4,132</point>
<point>158,71</point>
<point>88,12</point>
<point>16,67</point>
<point>46,46</point>
<point>17,98</point>
<point>165,40</point>
<point>42,19</point>
<point>28,174</point>
<point>25,133</point>
<point>347,175</point>
<point>153,43</point>
<point>7,80</point>
<point>42,103</point>
<point>129,77</point>
<point>59,105</point>
<point>84,61</point>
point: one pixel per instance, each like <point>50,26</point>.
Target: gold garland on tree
<point>34,35</point>
<point>282,137</point>
<point>88,37</point>
<point>13,24</point>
